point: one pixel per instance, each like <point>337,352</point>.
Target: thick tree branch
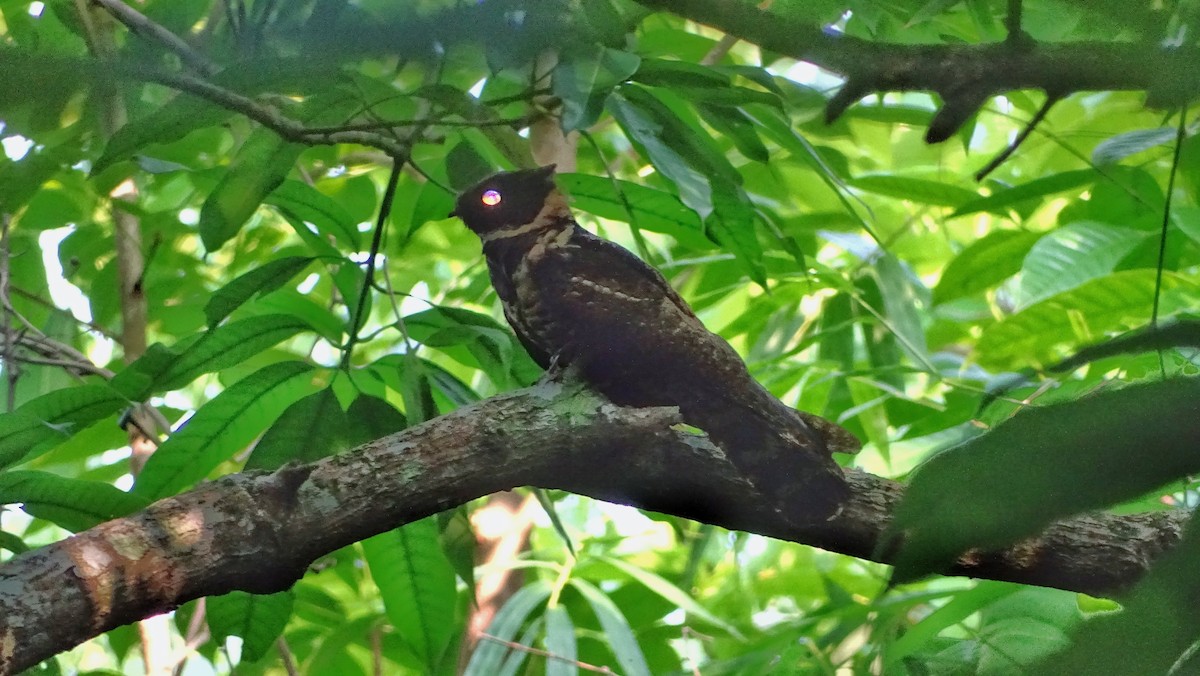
<point>964,75</point>
<point>258,532</point>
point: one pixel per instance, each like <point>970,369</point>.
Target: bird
<point>577,300</point>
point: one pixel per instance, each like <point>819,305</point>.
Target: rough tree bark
<point>259,532</point>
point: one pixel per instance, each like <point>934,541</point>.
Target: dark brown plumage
<point>581,300</point>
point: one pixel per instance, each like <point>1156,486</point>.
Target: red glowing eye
<point>491,198</point>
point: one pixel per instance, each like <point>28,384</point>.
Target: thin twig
<point>11,371</point>
<point>385,208</point>
<point>545,653</point>
<point>141,25</point>
<point>1051,99</point>
<point>1180,134</point>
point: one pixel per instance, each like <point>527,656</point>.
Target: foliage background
<point>864,274</point>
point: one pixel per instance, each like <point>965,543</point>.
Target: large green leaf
<point>1001,200</point>
<point>653,210</point>
<point>227,345</point>
<point>616,629</point>
<point>920,190</point>
<point>416,582</point>
<point>310,429</point>
<point>73,504</point>
<point>258,169</point>
<point>1071,255</point>
<point>983,264</point>
<point>258,619</point>
<point>309,204</point>
<point>488,655</point>
<point>47,421</point>
<point>560,643</point>
<point>259,281</point>
<point>583,79</point>
<point>1008,483</point>
<point>224,427</point>
<point>1081,315</point>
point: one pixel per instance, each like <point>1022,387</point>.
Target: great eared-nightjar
<point>575,299</point>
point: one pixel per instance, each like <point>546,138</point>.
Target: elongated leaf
<point>649,133</point>
<point>901,300</point>
<point>309,204</point>
<point>1121,299</point>
<point>224,426</point>
<point>1071,255</point>
<point>670,592</point>
<point>1116,148</point>
<point>653,210</point>
<point>616,629</point>
<point>921,190</point>
<point>218,348</point>
<point>416,582</point>
<point>560,643</point>
<point>259,167</point>
<point>959,608</point>
<point>259,281</point>
<point>73,504</point>
<point>734,125</point>
<point>488,655</point>
<point>1007,484</point>
<point>45,422</point>
<point>983,264</point>
<point>1007,198</point>
<point>182,115</point>
<point>583,79</point>
<point>258,619</point>
<point>310,429</point>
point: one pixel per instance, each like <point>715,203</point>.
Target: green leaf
<point>983,264</point>
<point>218,348</point>
<point>416,582</point>
<point>919,190</point>
<point>73,504</point>
<point>259,281</point>
<point>258,168</point>
<point>12,543</point>
<point>560,643</point>
<point>964,604</point>
<point>1000,200</point>
<point>1071,255</point>
<point>670,592</point>
<point>488,655</point>
<point>738,128</point>
<point>224,426</point>
<point>370,418</point>
<point>583,79</point>
<point>179,117</point>
<point>1116,148</point>
<point>258,619</point>
<point>901,302</point>
<point>1081,315</point>
<point>310,429</point>
<point>653,210</point>
<point>45,422</point>
<point>1007,484</point>
<point>309,204</point>
<point>616,628</point>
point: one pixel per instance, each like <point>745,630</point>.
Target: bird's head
<point>511,203</point>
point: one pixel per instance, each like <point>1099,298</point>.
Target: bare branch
<point>259,532</point>
<point>142,25</point>
<point>963,75</point>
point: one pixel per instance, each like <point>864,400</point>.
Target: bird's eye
<point>491,198</point>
